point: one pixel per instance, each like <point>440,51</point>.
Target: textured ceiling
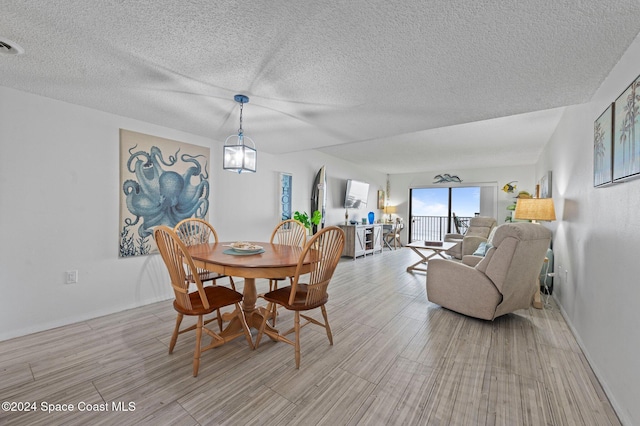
<point>396,86</point>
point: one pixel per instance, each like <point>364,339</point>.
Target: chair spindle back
<point>289,232</point>
<point>324,249</point>
<point>179,264</point>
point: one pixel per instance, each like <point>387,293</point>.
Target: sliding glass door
<point>436,211</point>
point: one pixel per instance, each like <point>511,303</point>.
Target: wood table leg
<point>425,259</point>
<point>414,267</point>
<point>252,314</point>
<point>422,260</point>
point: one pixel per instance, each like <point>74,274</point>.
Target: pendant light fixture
<point>237,156</point>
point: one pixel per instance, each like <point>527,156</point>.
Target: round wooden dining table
<point>277,261</point>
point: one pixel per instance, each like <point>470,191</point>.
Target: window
<point>432,209</point>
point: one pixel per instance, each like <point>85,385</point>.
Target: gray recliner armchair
<point>479,229</point>
<point>505,280</point>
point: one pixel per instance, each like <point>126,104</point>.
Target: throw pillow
<point>482,249</point>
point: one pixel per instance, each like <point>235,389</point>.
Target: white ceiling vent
<point>8,47</point>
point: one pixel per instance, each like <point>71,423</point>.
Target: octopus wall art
<point>162,182</point>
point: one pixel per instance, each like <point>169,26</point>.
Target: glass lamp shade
<point>238,157</point>
<point>535,209</point>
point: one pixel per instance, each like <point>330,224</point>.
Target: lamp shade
<point>535,209</point>
<point>390,209</point>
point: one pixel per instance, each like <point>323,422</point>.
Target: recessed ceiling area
<point>394,86</point>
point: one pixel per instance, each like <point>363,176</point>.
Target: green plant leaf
<point>316,218</point>
<point>303,218</point>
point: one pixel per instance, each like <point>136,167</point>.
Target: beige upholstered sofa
<point>478,232</point>
<point>504,280</point>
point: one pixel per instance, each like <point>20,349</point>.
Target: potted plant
<point>307,221</point>
<point>512,207</point>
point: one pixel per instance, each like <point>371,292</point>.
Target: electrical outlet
<point>559,272</point>
<point>72,276</point>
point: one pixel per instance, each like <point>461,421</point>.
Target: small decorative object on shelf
<point>371,217</point>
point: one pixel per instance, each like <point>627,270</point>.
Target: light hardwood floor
<point>397,360</point>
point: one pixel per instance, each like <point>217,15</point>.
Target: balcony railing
<point>434,228</point>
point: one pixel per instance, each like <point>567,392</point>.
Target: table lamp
<point>390,210</point>
<point>535,209</point>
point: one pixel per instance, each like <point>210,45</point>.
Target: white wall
<point>59,187</point>
<point>246,206</point>
<point>59,200</point>
<point>596,246</point>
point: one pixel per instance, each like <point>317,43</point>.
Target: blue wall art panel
<point>286,183</point>
<point>162,181</point>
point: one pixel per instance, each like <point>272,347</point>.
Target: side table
<point>420,246</point>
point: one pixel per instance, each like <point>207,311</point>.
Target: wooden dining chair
<point>307,291</point>
<point>192,231</point>
<point>289,232</point>
<point>393,236</point>
<point>203,301</point>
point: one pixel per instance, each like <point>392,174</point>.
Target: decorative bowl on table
<point>243,247</point>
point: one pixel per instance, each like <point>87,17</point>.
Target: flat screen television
<point>356,194</point>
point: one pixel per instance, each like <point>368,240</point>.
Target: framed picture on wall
<point>603,148</point>
<point>380,199</point>
<point>626,134</point>
<point>545,185</point>
<point>286,182</point>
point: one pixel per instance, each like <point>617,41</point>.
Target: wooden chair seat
<point>218,297</point>
<point>281,297</point>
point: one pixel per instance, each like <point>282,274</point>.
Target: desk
<point>277,261</point>
<point>418,246</point>
<point>392,232</point>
